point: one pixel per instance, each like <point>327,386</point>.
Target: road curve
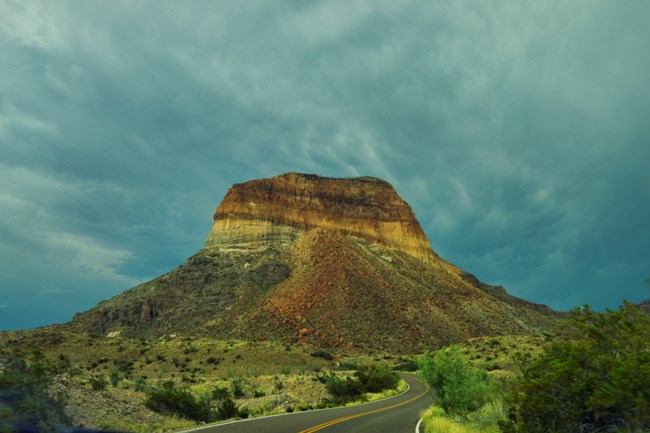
<point>397,414</point>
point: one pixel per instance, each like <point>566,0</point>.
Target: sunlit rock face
<point>277,210</point>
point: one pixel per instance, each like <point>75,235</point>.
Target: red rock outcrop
<point>278,210</point>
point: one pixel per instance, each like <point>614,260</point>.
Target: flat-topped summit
<point>262,212</point>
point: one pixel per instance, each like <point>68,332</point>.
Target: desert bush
<point>593,377</point>
<point>376,378</point>
<point>460,387</point>
<point>227,409</point>
<point>237,386</point>
<point>323,355</point>
<point>406,365</point>
<point>25,403</point>
<point>172,399</point>
<point>98,383</point>
<point>141,384</point>
<point>342,389</point>
<point>348,365</point>
<point>219,393</point>
<point>115,377</point>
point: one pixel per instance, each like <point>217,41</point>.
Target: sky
<point>519,132</point>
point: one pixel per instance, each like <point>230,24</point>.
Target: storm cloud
<point>518,132</point>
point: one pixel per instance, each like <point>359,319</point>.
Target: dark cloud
<point>518,133</point>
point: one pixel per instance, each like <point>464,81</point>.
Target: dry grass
<point>436,421</point>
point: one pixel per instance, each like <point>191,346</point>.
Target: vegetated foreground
<point>592,376</point>
<point>49,381</point>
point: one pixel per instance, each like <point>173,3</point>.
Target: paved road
<point>397,414</point>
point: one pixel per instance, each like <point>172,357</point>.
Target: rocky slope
<point>333,262</point>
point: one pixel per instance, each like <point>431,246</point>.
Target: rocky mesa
<point>260,213</point>
<point>335,263</point>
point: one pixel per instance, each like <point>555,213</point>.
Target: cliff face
<point>263,212</point>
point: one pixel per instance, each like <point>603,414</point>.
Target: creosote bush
<point>593,377</point>
<point>25,403</point>
<point>460,387</point>
<point>323,355</point>
<point>375,378</point>
<point>172,399</point>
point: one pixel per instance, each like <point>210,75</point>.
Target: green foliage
<point>594,377</point>
<point>406,365</point>
<point>237,386</point>
<point>323,355</point>
<point>347,365</point>
<point>219,393</point>
<point>141,385</point>
<point>171,399</point>
<point>375,378</point>
<point>227,409</point>
<point>98,383</point>
<point>460,387</point>
<point>115,377</point>
<point>342,389</point>
<point>24,399</point>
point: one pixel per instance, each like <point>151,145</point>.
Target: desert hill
<point>337,263</point>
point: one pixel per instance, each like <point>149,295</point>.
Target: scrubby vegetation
<point>592,375</point>
<point>25,403</point>
<point>373,379</point>
<point>174,383</point>
<point>169,398</point>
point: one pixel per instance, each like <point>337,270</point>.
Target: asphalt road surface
<point>398,414</point>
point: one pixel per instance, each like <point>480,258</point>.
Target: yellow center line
<point>347,418</point>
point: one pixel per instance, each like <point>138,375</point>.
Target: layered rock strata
<point>277,210</point>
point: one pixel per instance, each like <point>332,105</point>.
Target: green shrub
<point>227,409</point>
<point>237,386</point>
<point>323,355</point>
<point>347,365</point>
<point>460,387</point>
<point>376,378</point>
<point>340,388</point>
<point>115,377</point>
<point>98,383</point>
<point>169,398</point>
<point>141,384</point>
<point>219,393</point>
<point>406,365</point>
<point>24,397</point>
<point>594,377</point>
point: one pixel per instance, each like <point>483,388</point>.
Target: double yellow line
<point>347,418</point>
